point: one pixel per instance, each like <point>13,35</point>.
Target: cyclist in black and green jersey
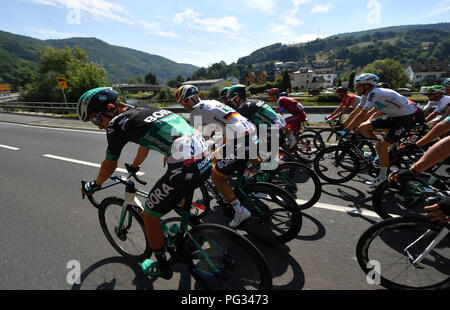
<point>152,128</point>
<point>258,113</point>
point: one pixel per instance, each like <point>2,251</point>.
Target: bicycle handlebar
<point>114,180</point>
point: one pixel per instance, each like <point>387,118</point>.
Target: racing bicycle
<point>216,256</point>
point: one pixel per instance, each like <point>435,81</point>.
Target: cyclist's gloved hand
<point>345,132</point>
<point>404,175</point>
<point>439,211</point>
<point>133,169</point>
<point>408,145</point>
<point>90,187</point>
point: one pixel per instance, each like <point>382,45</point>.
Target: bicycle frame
<point>416,262</point>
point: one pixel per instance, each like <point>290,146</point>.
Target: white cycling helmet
<point>367,78</point>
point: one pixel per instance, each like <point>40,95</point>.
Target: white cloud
<point>322,8</point>
<point>437,11</point>
<point>45,34</point>
<point>265,6</point>
<point>307,38</point>
<point>104,10</point>
<point>228,24</point>
<point>300,2</point>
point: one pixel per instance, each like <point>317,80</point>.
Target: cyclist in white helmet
<point>395,112</point>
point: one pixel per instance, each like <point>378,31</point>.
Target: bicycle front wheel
<point>387,250</point>
<point>128,239</point>
<point>221,259</point>
<point>336,165</point>
<point>308,145</point>
<point>300,181</point>
<point>276,217</point>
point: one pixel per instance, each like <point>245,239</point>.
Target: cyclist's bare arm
<point>359,118</point>
<point>430,117</point>
<point>352,116</point>
<point>141,155</point>
<point>106,170</point>
<point>437,131</point>
<point>435,154</point>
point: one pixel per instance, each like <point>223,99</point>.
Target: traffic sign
<point>62,82</point>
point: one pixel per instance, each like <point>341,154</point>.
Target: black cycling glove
<point>91,187</point>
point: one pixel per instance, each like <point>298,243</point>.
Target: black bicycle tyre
<point>306,156</point>
<point>136,216</point>
<point>365,241</point>
<point>287,204</point>
<point>312,175</point>
<point>335,150</point>
<point>258,258</point>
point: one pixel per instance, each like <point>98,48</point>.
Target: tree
<point>285,84</point>
<point>389,71</point>
<point>351,80</point>
<point>71,63</point>
<point>150,78</point>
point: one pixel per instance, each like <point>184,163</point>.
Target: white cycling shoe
<point>375,182</point>
<point>239,217</point>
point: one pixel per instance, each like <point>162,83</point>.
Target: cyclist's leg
<point>223,168</point>
<point>178,181</point>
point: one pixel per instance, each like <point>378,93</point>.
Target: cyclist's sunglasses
<point>97,120</point>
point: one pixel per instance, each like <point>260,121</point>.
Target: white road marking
<point>9,147</point>
<point>348,210</point>
<point>55,128</point>
<point>86,163</point>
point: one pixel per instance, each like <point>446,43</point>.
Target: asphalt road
<point>46,226</point>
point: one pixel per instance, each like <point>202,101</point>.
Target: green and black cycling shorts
<point>178,182</point>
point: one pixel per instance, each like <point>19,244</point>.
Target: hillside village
<point>319,75</point>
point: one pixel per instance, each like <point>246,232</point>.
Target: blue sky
<point>203,32</point>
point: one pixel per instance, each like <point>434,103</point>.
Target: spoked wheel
<point>308,145</point>
<point>400,198</point>
<point>387,251</point>
<point>300,181</point>
<point>276,217</point>
<point>336,165</point>
<point>130,240</point>
<point>221,259</point>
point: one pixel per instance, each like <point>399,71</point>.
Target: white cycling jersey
<point>209,112</point>
<point>441,106</point>
<point>389,102</point>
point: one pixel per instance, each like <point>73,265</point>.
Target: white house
<point>303,79</point>
<point>328,75</point>
<point>431,72</point>
<point>206,84</point>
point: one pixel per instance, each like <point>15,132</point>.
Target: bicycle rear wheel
<point>384,245</point>
<point>300,181</point>
<point>400,199</point>
<point>276,217</point>
<point>221,259</point>
<point>336,165</point>
<point>130,241</point>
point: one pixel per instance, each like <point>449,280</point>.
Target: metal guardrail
<point>63,108</point>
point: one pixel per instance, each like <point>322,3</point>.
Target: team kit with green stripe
<point>189,163</point>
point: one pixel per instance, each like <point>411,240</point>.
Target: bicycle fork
<point>417,262</point>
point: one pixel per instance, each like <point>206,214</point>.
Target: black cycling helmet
<point>95,100</point>
<point>341,90</point>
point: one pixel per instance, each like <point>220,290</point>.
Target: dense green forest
<point>20,56</point>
